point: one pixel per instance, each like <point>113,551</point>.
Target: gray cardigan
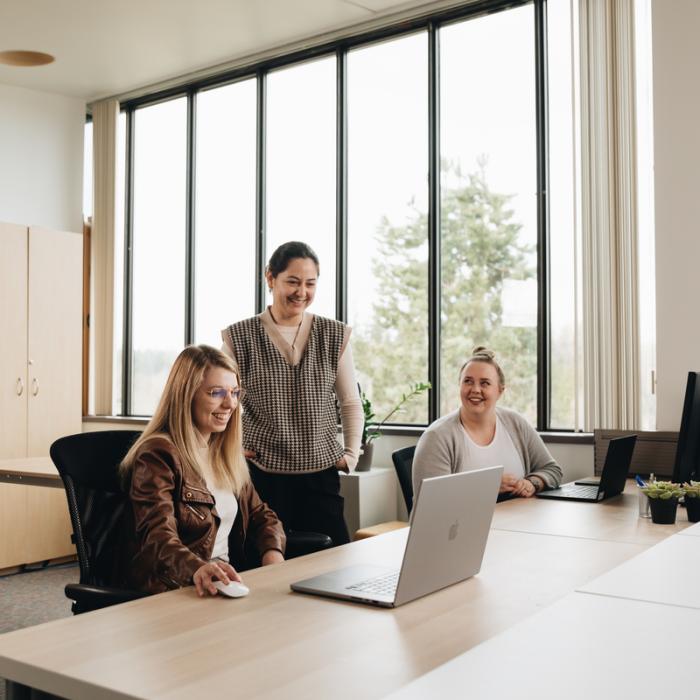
<point>442,449</point>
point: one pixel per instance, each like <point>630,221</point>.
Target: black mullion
<point>341,188</point>
<point>127,363</point>
<point>543,320</point>
<point>434,300</point>
<point>260,192</point>
<point>190,252</point>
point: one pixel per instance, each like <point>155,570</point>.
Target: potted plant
<point>692,501</point>
<point>663,501</point>
<point>370,430</point>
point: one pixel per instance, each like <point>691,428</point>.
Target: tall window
<point>489,206</point>
<point>566,401</point>
<point>118,335</point>
<point>387,219</point>
<point>224,282</point>
<point>300,170</point>
<point>341,150</point>
<point>160,197</point>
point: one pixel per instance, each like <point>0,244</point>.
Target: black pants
<point>304,502</point>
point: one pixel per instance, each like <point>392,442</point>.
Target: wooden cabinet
<point>40,379</point>
<point>13,346</point>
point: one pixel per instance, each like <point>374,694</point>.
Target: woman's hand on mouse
<point>204,577</point>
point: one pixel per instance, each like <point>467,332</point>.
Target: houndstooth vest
<point>289,416</point>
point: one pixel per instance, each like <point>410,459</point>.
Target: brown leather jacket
<point>170,528</point>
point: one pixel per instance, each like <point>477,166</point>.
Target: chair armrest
<point>301,543</point>
<point>87,598</point>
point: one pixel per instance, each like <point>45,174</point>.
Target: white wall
<point>676,57</point>
<point>41,158</point>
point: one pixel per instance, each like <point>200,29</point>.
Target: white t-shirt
<point>500,451</point>
<point>227,508</point>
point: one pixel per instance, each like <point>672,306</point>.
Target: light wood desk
<point>30,471</point>
<point>691,531</point>
<point>668,573</point>
<point>614,520</point>
<point>277,644</point>
<point>584,647</point>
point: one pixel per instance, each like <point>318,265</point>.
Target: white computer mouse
<point>232,590</point>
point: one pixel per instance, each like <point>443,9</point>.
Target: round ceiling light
<point>25,58</point>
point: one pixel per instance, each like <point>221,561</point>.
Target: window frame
<point>431,24</point>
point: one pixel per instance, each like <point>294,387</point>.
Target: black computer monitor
<point>687,464</point>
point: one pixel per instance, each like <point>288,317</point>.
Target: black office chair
<point>87,463</point>
<point>403,463</point>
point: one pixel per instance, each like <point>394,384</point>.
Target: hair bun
<point>482,351</point>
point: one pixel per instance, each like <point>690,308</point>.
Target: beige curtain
<point>104,135</point>
<point>608,215</point>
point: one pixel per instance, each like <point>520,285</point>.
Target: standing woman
<point>193,514</point>
<point>481,434</point>
<point>295,366</point>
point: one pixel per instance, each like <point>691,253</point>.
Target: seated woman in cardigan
<point>481,434</point>
<point>194,516</point>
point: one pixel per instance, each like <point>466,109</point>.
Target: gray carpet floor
<point>32,597</point>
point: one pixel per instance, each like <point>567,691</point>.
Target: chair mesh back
<point>403,463</point>
<point>88,464</point>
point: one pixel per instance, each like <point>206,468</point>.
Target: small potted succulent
<point>663,501</point>
<point>692,501</point>
<point>370,430</point>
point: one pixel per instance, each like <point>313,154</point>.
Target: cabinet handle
<point>35,387</point>
<point>20,386</point>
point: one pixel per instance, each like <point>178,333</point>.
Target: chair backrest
<point>88,464</point>
<point>403,463</point>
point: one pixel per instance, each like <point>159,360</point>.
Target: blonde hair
<point>172,420</point>
<point>483,354</point>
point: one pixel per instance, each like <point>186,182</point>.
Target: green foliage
<point>481,248</point>
<point>370,430</point>
<point>663,490</point>
<point>692,490</point>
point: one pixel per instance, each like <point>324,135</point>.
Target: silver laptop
<point>449,527</point>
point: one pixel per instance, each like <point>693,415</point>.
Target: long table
<point>630,633</point>
<point>30,471</point>
<point>278,644</point>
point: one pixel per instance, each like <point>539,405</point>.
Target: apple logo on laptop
<point>453,530</point>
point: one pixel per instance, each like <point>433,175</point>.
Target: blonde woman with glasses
<point>194,516</point>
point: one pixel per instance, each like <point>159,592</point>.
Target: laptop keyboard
<point>379,585</point>
<point>581,490</point>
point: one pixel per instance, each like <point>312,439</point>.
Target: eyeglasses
<point>219,393</point>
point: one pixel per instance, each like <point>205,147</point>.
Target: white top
<point>227,508</point>
<point>500,450</point>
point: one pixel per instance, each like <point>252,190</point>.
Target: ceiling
<point>112,48</point>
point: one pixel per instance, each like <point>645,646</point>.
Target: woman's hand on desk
<point>509,483</point>
<point>522,488</point>
<point>204,577</point>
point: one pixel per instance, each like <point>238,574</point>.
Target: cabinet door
<point>13,346</point>
<point>55,337</point>
<point>35,525</point>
